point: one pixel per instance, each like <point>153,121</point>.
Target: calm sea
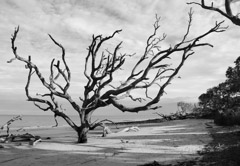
<point>43,120</point>
<point>33,121</point>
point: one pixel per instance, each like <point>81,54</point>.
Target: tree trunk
<point>82,134</point>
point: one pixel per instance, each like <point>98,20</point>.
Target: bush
<point>227,117</point>
<point>203,113</point>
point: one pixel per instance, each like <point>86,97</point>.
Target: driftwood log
<point>177,116</point>
<point>17,137</point>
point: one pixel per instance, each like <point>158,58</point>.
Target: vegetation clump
<point>222,102</point>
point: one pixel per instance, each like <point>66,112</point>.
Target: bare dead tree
<point>99,71</point>
<point>227,13</point>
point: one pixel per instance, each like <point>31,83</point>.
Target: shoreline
<point>142,121</point>
<point>48,120</point>
<point>165,142</point>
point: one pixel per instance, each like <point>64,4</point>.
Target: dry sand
<point>165,142</point>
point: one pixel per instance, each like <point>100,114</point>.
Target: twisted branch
<point>41,103</point>
<point>227,13</point>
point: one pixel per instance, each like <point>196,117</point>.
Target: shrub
<point>227,117</point>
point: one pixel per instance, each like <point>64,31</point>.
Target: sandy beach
<point>166,142</point>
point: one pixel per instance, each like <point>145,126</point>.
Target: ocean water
<point>35,121</point>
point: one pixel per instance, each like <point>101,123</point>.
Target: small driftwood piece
<point>106,129</point>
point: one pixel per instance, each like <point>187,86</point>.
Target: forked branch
<point>47,101</point>
<point>141,78</point>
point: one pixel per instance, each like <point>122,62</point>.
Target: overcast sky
<point>72,23</point>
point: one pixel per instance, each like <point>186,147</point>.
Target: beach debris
<point>106,129</point>
<point>130,129</point>
<point>21,138</point>
<point>21,129</point>
<point>180,115</point>
<point>8,123</point>
<point>185,111</point>
<point>17,137</point>
<point>34,142</point>
<point>123,141</point>
<point>2,140</point>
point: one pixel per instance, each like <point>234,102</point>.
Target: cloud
<point>72,23</point>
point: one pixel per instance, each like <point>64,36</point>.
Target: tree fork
<point>151,69</point>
